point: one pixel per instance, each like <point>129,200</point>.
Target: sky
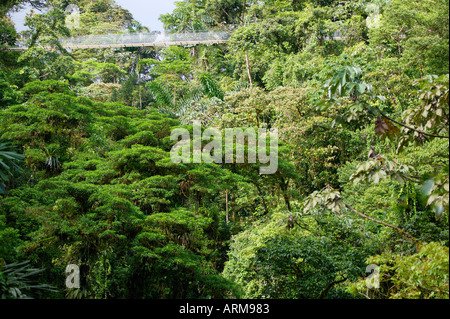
<point>146,12</point>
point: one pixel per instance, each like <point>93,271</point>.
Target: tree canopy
<point>357,91</point>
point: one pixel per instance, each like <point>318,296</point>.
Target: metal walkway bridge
<point>127,40</point>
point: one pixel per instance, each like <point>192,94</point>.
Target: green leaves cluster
<point>423,275</point>
<point>9,164</point>
<point>361,109</point>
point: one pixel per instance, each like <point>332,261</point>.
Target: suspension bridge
<point>135,40</point>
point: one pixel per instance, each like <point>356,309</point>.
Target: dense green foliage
<point>359,93</point>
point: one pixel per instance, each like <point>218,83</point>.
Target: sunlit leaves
<point>436,191</point>
<point>8,93</point>
<point>187,17</point>
<point>433,113</point>
<point>328,198</point>
<point>347,82</point>
<point>98,71</point>
<point>374,171</point>
<point>423,275</point>
<point>348,92</point>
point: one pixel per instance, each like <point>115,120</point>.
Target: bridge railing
<point>139,39</point>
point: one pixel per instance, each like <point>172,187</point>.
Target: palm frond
<point>16,281</point>
<point>9,160</point>
<point>161,95</point>
<point>210,87</point>
<point>185,103</point>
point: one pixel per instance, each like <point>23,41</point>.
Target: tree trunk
<point>248,69</point>
<point>288,202</point>
<point>266,210</point>
<point>139,83</point>
<point>227,210</point>
<point>284,185</point>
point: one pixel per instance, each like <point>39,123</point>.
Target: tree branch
<point>411,128</point>
<point>325,292</point>
<point>414,239</point>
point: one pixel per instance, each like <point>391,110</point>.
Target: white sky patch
<point>146,12</point>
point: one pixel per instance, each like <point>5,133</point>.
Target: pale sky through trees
<point>146,12</point>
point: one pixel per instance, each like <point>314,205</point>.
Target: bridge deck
<point>137,40</point>
<point>130,40</point>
